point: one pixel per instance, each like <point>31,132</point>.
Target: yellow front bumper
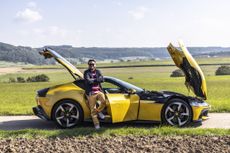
<point>200,111</point>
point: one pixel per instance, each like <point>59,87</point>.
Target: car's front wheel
<point>177,112</point>
<point>67,114</point>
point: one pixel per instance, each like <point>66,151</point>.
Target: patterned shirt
<point>95,88</point>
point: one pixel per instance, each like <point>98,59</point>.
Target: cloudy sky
<point>115,23</point>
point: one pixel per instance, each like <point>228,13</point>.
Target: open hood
<point>49,53</point>
<point>194,77</point>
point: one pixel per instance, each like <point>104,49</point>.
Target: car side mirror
<point>131,91</point>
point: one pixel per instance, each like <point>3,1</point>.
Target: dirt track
<point>166,144</point>
<point>5,70</point>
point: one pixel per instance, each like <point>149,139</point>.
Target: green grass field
<point>112,131</point>
<point>19,98</point>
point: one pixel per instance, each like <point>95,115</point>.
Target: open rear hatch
<point>49,53</point>
<point>194,77</point>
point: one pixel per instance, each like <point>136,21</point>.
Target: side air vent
<point>42,92</point>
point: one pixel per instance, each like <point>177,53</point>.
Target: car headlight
<point>198,103</point>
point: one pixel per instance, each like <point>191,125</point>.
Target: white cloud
<point>50,32</point>
<point>28,15</point>
<point>139,13</point>
<point>32,5</point>
<point>51,35</point>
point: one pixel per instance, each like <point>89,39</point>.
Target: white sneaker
<point>101,115</point>
<point>97,127</point>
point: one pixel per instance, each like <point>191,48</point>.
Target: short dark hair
<point>91,60</point>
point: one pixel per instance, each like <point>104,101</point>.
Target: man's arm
<point>100,77</point>
<point>87,78</point>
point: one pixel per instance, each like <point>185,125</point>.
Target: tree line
<point>31,56</point>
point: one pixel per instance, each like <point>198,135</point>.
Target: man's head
<point>92,64</point>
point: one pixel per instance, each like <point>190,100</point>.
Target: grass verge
<point>107,132</point>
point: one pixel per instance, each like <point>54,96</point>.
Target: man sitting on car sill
<point>93,79</point>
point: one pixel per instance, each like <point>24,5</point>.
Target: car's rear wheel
<point>177,112</point>
<point>67,114</point>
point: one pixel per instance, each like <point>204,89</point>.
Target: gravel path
<point>167,144</point>
<point>217,120</point>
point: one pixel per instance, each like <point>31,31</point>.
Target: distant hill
<point>81,54</point>
<point>12,53</point>
<point>216,54</point>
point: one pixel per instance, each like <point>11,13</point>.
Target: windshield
<point>127,85</point>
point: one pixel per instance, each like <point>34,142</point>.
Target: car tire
<point>67,114</point>
<point>176,112</point>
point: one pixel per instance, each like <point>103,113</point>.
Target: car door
<point>121,105</point>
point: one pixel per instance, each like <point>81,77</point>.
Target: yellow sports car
<point>66,104</point>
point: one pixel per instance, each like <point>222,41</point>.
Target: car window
<point>109,85</point>
<point>110,88</point>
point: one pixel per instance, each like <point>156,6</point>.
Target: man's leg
<point>92,102</point>
<point>101,98</point>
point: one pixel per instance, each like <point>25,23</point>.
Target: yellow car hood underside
<point>195,79</point>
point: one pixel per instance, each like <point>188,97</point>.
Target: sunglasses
<point>91,64</point>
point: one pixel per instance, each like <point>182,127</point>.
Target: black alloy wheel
<point>177,112</point>
<point>67,114</point>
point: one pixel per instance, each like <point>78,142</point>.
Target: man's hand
<point>100,79</point>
